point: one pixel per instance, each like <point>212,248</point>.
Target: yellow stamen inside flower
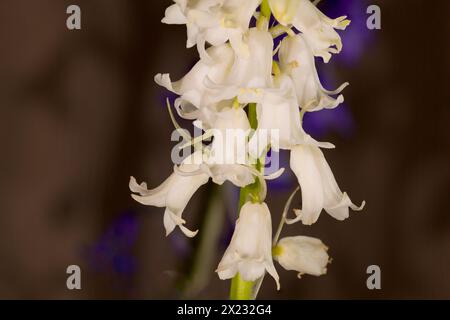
<point>277,251</point>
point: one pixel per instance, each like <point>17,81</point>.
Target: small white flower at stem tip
<point>250,248</point>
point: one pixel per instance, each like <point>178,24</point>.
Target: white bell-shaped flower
<point>297,61</point>
<point>191,87</point>
<point>317,28</point>
<point>250,250</point>
<point>227,157</point>
<point>249,73</point>
<point>305,255</point>
<point>319,187</point>
<point>278,118</point>
<point>253,70</point>
<point>230,132</point>
<point>173,194</point>
<point>212,21</point>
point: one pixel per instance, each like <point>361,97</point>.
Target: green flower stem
<point>252,115</point>
<point>241,289</point>
<point>265,9</point>
<point>263,21</point>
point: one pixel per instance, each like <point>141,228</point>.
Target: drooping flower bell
<point>278,119</point>
<point>177,190</point>
<point>297,61</point>
<point>230,131</point>
<point>196,100</point>
<point>250,249</point>
<point>173,194</point>
<point>227,155</point>
<point>319,187</point>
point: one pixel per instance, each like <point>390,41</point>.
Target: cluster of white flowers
<point>239,71</point>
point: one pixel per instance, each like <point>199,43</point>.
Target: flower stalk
<point>241,289</point>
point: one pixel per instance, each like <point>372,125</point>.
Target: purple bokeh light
<point>112,252</point>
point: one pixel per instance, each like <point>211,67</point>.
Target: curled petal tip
<point>132,182</point>
<point>298,217</point>
<point>275,175</point>
<point>187,232</point>
<point>361,207</point>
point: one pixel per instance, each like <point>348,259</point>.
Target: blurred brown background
<point>80,113</point>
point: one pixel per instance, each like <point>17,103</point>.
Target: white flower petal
<point>275,175</point>
<point>230,131</point>
<point>169,222</point>
<point>137,188</point>
<point>250,72</point>
<point>254,70</point>
<point>192,86</point>
<point>297,61</point>
<point>154,197</point>
<point>174,15</point>
<point>239,175</point>
<point>164,81</point>
<point>303,164</point>
<point>174,193</point>
<point>278,119</point>
<point>319,187</point>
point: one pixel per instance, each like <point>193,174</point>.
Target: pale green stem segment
<point>241,289</point>
<point>265,9</point>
